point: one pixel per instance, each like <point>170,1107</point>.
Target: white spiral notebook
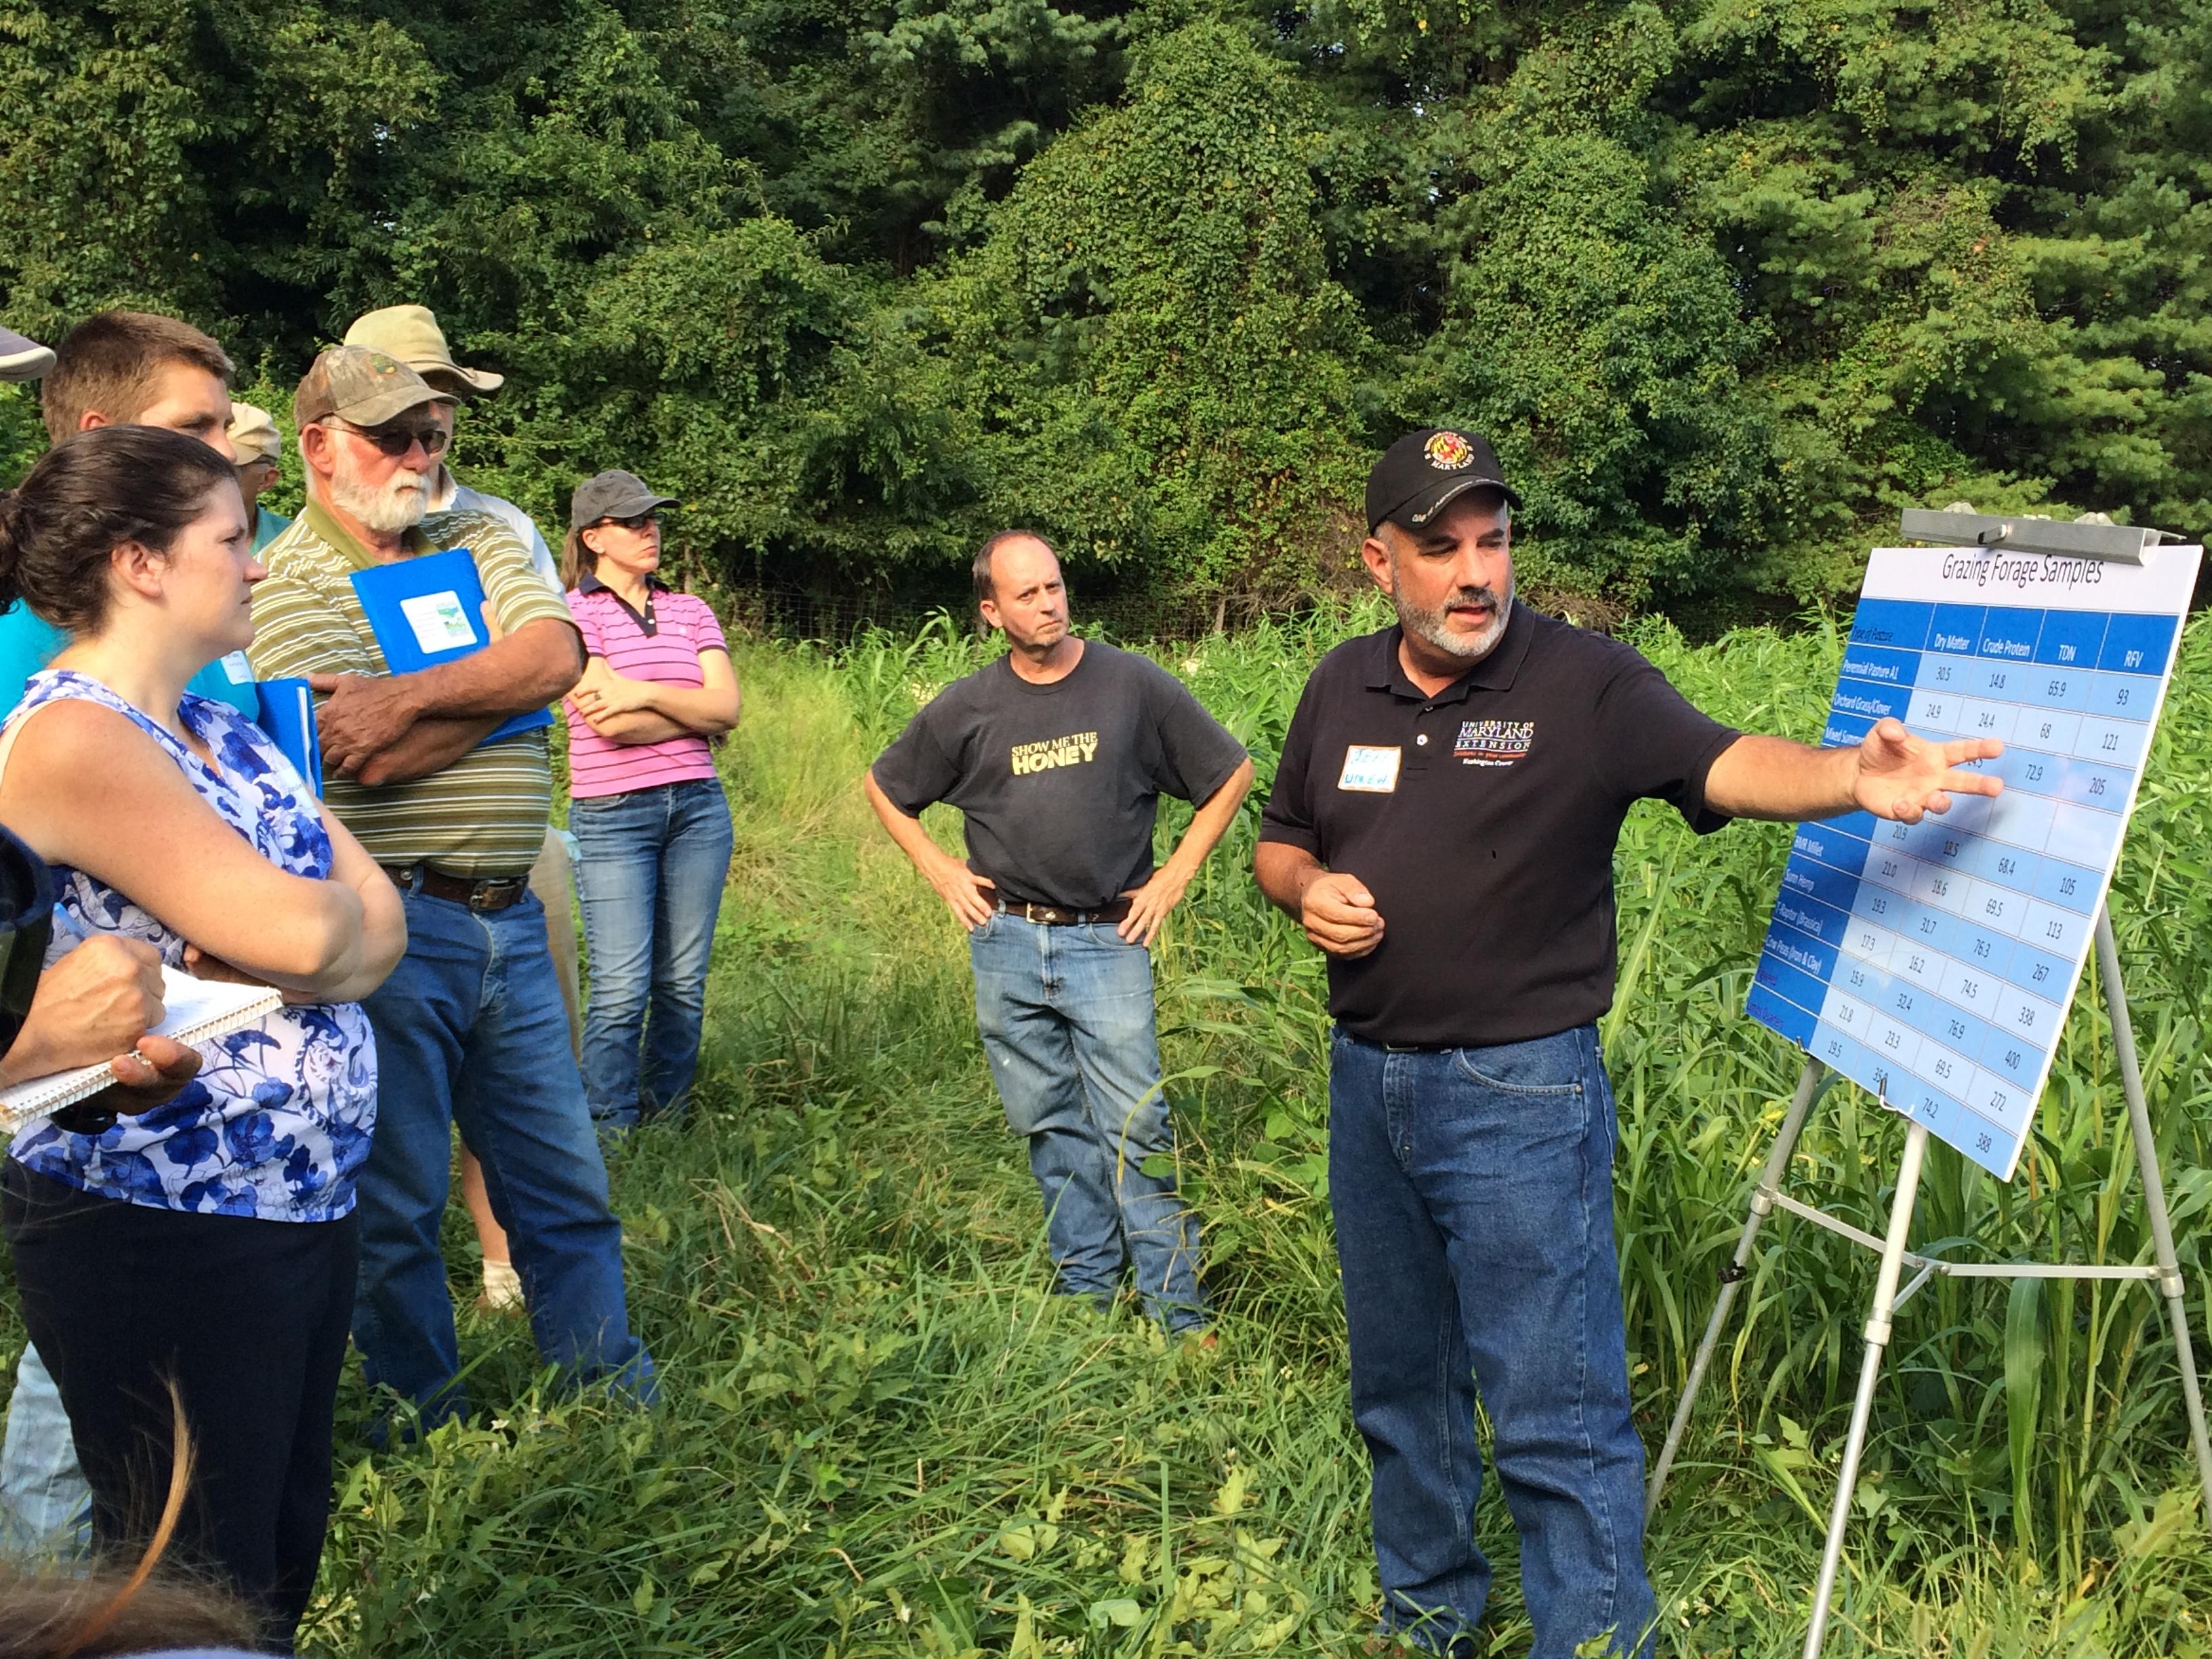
<point>196,1011</point>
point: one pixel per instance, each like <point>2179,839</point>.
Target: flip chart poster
<point>1933,963</point>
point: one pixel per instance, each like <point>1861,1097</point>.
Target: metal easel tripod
<point>2164,1270</point>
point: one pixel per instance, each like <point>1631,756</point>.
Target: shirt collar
<point>1494,672</point>
<point>590,583</point>
<point>445,490</point>
<point>324,524</point>
<point>645,621</point>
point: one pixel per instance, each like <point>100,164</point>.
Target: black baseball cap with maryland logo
<point>1424,470</point>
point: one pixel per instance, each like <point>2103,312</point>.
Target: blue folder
<point>287,714</point>
<point>427,611</point>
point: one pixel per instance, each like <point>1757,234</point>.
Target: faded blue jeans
<point>470,1030</point>
<point>1067,1017</point>
<point>1472,1189</point>
<point>46,1508</point>
<point>650,875</point>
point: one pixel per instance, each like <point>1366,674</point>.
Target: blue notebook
<point>429,611</point>
<point>287,714</point>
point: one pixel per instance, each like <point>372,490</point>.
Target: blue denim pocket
<point>1544,1065</point>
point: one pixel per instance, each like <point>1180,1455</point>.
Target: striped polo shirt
<point>483,815</point>
<point>661,643</point>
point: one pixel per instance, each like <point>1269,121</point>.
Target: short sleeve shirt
<point>485,815</point>
<point>1060,782</point>
<point>1483,819</point>
<point>28,642</point>
<point>463,499</point>
<point>660,643</point>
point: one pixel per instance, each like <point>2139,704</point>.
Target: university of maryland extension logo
<point>1448,452</point>
<point>1494,742</point>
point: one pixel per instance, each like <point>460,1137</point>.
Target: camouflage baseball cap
<point>360,386</point>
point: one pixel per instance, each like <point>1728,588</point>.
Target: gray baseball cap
<point>21,358</point>
<point>615,495</point>
<point>364,387</point>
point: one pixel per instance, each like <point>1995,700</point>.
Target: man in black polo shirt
<point>1057,754</point>
<point>1442,826</point>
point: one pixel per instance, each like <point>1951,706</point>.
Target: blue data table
<point>1933,963</point>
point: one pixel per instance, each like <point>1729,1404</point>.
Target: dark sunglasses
<point>635,520</point>
<point>396,441</point>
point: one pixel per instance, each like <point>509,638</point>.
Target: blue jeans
<point>1472,1190</point>
<point>46,1508</point>
<point>651,881</point>
<point>470,1029</point>
<point>1066,1017</point>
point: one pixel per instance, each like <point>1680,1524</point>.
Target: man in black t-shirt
<point>1442,825</point>
<point>1057,754</point>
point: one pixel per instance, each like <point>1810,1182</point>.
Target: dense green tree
<point>1728,283</point>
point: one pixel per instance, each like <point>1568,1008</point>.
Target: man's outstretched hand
<point>1905,777</point>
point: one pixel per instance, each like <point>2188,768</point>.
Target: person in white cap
<point>23,358</point>
<point>411,334</point>
<point>257,450</point>
<point>468,1026</point>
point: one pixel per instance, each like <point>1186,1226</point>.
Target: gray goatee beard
<point>399,504</point>
<point>1434,626</point>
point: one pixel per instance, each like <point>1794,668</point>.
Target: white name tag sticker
<point>1370,768</point>
<point>439,622</point>
<point>236,669</point>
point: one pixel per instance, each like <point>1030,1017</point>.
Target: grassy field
<point>881,1436</point>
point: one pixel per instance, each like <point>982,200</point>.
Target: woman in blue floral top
<point>210,1241</point>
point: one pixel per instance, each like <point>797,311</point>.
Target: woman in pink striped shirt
<point>651,822</point>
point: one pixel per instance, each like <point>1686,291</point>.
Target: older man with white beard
<point>470,1028</point>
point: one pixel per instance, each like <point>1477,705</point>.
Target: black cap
<point>1424,470</point>
<point>615,495</point>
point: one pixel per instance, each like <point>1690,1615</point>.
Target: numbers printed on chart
<point>1934,963</point>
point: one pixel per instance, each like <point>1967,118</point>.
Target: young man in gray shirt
<point>1057,755</point>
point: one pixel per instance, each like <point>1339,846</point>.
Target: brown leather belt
<point>1059,915</point>
<point>491,893</point>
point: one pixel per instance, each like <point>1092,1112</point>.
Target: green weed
<point>882,1438</point>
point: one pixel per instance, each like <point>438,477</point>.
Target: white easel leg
<point>1877,1338</point>
<point>2161,1225</point>
<point>1812,1083</point>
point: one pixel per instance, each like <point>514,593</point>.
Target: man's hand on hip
<point>1339,914</point>
<point>1149,905</point>
<point>361,716</point>
<point>964,890</point>
<point>1905,777</point>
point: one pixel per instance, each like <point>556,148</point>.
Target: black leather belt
<point>479,893</point>
<point>1059,915</point>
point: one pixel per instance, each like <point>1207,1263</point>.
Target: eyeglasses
<point>635,520</point>
<point>396,441</point>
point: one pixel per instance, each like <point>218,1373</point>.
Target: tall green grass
<point>882,1438</point>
